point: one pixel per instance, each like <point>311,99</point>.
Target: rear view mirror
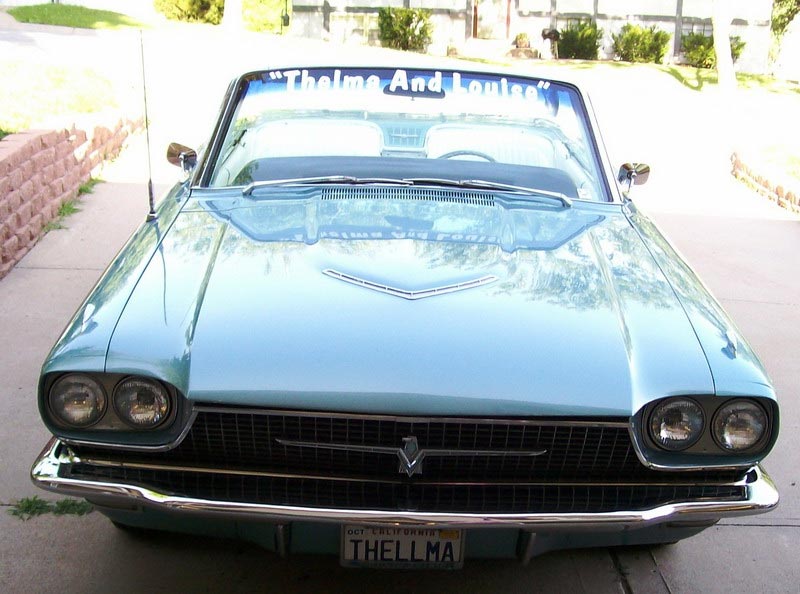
<point>634,174</point>
<point>182,156</point>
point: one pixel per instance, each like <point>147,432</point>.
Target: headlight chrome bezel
<point>706,451</point>
<point>692,409</point>
<point>110,422</point>
<point>86,380</point>
<point>158,389</point>
<point>742,402</point>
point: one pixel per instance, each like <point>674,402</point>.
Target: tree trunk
<point>721,19</point>
<point>232,18</point>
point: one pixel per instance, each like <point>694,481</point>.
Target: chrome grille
<point>234,454</point>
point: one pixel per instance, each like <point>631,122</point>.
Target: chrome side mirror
<point>182,156</point>
<point>633,174</point>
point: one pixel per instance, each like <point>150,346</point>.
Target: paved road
<point>744,248</point>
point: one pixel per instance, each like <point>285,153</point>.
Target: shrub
<point>698,50</point>
<point>522,40</point>
<point>580,41</point>
<point>263,15</point>
<point>407,29</point>
<point>201,11</point>
<point>635,43</point>
<point>257,15</point>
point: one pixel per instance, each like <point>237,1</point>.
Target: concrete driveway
<point>744,248</point>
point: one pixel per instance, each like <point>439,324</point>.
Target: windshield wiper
<point>476,184</point>
<point>480,184</point>
<point>324,179</point>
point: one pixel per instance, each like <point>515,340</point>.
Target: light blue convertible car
<point>408,317</point>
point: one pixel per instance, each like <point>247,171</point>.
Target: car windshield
<point>392,125</point>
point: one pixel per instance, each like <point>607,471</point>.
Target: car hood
<point>520,309</point>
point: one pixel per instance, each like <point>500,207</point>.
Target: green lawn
<point>42,92</point>
<point>66,15</point>
<point>698,78</point>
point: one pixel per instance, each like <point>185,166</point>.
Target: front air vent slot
<point>393,193</point>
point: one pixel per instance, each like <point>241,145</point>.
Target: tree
<point>783,12</point>
<point>232,15</point>
<point>721,20</point>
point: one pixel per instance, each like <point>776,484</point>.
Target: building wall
<point>356,21</point>
<point>751,22</point>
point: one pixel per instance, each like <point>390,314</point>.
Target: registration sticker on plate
<point>407,548</point>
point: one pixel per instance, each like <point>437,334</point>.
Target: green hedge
<point>635,43</point>
<point>698,50</point>
<point>263,15</point>
<point>257,15</point>
<point>407,29</point>
<point>580,41</point>
<point>196,11</point>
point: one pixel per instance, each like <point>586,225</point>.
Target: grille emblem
<point>410,456</point>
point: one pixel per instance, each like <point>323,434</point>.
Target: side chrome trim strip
<point>378,417</point>
<point>405,293</point>
<point>410,456</point>
<point>761,496</point>
<point>347,447</point>
<point>74,459</point>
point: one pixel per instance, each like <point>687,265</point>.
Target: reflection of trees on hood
<point>120,276</point>
<point>569,257</point>
<point>686,284</point>
<point>571,275</point>
<point>692,293</point>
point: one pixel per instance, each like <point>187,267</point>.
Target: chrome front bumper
<point>761,496</point>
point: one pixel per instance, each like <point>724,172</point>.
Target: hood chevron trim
<point>408,294</point>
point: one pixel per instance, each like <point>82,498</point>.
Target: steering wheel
<point>467,152</point>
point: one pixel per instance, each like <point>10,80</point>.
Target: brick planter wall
<point>42,169</point>
<point>768,181</point>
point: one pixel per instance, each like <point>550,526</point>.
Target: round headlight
<point>739,425</point>
<point>141,403</point>
<point>676,424</point>
<point>77,400</point>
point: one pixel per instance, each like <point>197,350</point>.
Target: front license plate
<point>404,548</point>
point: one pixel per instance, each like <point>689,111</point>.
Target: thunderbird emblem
<point>410,455</point>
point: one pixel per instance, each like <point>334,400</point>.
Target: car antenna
<point>151,215</point>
